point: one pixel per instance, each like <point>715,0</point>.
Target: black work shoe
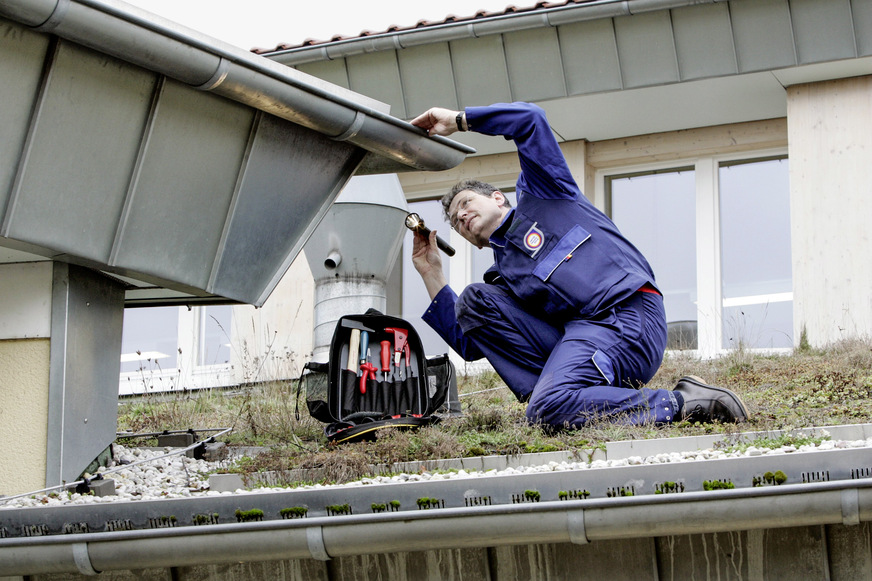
<point>707,403</point>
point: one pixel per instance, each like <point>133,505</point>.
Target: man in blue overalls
<point>569,315</point>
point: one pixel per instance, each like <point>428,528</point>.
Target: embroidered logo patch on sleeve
<point>533,239</point>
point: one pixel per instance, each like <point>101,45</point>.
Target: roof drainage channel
<point>576,521</point>
<point>821,487</point>
<point>594,486</point>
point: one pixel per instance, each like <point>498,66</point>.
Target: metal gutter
<point>449,31</point>
<point>135,36</point>
<point>578,522</point>
<point>830,487</point>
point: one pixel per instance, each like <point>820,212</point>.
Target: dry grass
<point>807,388</point>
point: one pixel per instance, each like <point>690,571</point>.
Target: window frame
<point>187,374</point>
<point>708,234</point>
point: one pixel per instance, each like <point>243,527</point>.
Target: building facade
<point>729,140</point>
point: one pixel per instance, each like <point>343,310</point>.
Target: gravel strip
<point>178,476</point>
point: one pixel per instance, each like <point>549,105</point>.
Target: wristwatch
<point>459,120</point>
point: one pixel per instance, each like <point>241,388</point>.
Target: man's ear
<point>499,197</point>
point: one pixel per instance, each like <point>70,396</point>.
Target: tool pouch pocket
<point>377,376</point>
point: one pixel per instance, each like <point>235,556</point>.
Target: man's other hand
<point>437,121</point>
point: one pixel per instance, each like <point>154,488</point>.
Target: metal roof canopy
<point>134,146</point>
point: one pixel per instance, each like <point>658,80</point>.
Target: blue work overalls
<point>568,316</point>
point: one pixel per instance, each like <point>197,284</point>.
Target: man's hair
<point>476,186</point>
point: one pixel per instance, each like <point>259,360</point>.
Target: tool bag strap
<point>309,366</point>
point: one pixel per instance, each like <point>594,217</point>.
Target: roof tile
<point>449,19</point>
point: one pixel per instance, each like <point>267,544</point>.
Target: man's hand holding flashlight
<point>428,262</point>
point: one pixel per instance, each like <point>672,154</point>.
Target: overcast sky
<point>268,23</point>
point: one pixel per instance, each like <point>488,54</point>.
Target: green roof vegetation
<point>806,388</point>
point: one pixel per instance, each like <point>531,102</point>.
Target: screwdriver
<point>408,353</point>
<point>386,358</point>
<point>364,346</point>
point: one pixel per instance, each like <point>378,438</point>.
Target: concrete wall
<point>830,135</point>
<point>834,552</point>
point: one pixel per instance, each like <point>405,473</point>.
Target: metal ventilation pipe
<point>333,260</point>
<point>352,251</point>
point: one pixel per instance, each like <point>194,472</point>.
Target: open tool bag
<point>377,377</point>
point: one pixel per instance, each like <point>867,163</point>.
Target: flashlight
<point>415,223</point>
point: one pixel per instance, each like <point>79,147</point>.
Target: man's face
<point>476,217</point>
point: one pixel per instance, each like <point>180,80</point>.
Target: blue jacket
<point>556,252</point>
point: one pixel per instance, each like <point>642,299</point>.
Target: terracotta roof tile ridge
<point>449,19</point>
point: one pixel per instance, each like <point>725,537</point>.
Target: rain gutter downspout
<point>135,36</point>
<point>577,521</point>
<point>449,31</point>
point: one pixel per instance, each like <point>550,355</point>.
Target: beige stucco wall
<point>24,376</point>
<point>275,340</point>
<point>830,135</point>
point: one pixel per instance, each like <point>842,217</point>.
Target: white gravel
<point>178,476</point>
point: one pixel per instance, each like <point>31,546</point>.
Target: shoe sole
<point>698,380</point>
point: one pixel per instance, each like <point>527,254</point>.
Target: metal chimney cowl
<point>352,252</point>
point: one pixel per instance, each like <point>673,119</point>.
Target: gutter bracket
<point>353,129</point>
<point>315,540</point>
<point>850,506</point>
<point>57,16</point>
<point>82,559</point>
<point>575,524</point>
<point>218,77</point>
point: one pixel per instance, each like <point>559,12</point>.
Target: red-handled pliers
<point>368,371</point>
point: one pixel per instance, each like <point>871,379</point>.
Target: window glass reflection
<point>756,270</point>
<point>657,213</point>
<point>215,334</point>
<point>150,339</point>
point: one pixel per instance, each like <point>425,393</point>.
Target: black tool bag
<point>368,385</point>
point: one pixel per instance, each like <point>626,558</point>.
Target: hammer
<point>355,353</point>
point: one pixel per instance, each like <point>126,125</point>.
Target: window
<point>756,268</point>
<point>155,328</point>
<point>717,235</point>
<point>168,348</point>
<point>214,335</point>
<point>656,212</point>
<point>716,231</point>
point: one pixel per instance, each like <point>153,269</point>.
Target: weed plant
<point>808,388</point>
